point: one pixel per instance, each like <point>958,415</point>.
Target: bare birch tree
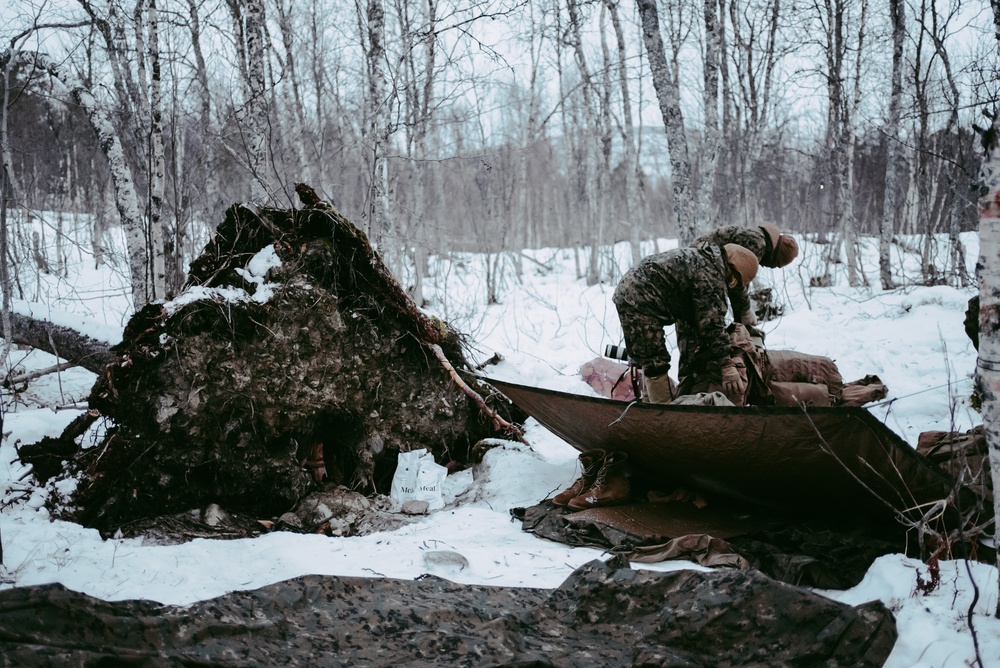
<point>836,20</point>
<point>749,99</point>
<point>591,173</point>
<point>933,178</point>
<point>668,95</point>
<point>937,30</point>
<point>126,198</point>
<point>988,269</point>
<point>256,112</point>
<point>140,93</point>
<point>146,20</point>
<point>632,209</point>
<point>6,196</point>
<point>371,20</point>
<point>709,154</point>
<point>890,205</point>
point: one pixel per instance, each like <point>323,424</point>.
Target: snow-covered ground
<point>546,325</point>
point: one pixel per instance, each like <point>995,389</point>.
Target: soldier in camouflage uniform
<point>771,248</point>
<point>687,287</point>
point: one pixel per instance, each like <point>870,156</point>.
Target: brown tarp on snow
<point>838,460</point>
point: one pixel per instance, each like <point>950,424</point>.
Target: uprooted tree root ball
<point>257,384</point>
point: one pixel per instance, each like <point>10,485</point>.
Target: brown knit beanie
<point>742,261</point>
<point>772,232</point>
<point>786,250</point>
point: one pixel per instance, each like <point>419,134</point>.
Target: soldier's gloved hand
<point>733,386</point>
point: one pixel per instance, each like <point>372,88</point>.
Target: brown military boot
<point>610,487</point>
<point>592,461</point>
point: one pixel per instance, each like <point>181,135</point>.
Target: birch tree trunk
<point>157,169</point>
<point>586,161</point>
<point>835,18</point>
<point>988,367</point>
<point>849,224</point>
<point>890,205</point>
<point>957,201</point>
<point>297,111</point>
<point>377,130</point>
<point>126,199</point>
<point>631,209</point>
<point>531,217</point>
<point>708,159</point>
<point>256,103</point>
<point>754,107</point>
<point>668,95</point>
<point>6,194</point>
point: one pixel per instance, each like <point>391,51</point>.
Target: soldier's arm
<point>743,310</point>
<point>719,236</point>
<point>709,301</point>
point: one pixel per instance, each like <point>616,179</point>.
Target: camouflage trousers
<point>647,343</point>
<point>644,338</point>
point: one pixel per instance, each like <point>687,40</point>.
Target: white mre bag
<point>417,478</point>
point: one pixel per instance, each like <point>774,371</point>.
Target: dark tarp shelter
<point>814,459</point>
<point>765,467</point>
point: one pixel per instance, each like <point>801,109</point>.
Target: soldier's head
<point>741,265</point>
<point>784,248</point>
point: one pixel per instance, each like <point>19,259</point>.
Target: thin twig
<point>969,615</point>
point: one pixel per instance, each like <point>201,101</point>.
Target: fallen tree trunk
<point>292,350</point>
<point>64,342</point>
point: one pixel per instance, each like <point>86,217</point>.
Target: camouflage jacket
<point>686,285</point>
<point>755,241</point>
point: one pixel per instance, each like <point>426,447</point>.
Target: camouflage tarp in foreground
<point>600,616</point>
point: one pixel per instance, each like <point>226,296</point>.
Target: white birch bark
<point>668,96</point>
<point>157,168</point>
<point>939,31</point>
<point>631,210</point>
<point>848,116</point>
<point>988,367</point>
<point>840,118</point>
<point>377,203</point>
<point>6,192</point>
<point>587,160</point>
<point>890,205</point>
<point>708,159</point>
<point>531,218</point>
<point>297,111</point>
<point>752,93</point>
<point>126,199</point>
<point>255,120</point>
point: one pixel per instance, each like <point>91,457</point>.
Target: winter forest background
<point>491,125</point>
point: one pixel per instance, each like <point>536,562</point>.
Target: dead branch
<point>498,422</point>
<point>74,346</point>
<point>10,381</point>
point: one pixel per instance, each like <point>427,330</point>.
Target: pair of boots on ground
<point>603,482</point>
